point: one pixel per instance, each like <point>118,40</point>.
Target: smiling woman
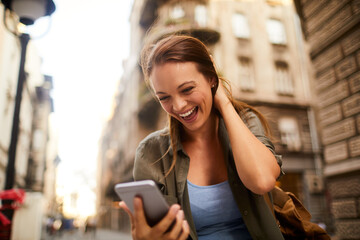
<point>214,147</point>
<point>184,93</point>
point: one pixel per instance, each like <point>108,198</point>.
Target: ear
<point>213,82</point>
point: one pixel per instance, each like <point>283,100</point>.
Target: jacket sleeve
<point>148,156</point>
<point>140,172</point>
<point>149,165</point>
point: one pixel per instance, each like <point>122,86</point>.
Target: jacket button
<point>245,212</point>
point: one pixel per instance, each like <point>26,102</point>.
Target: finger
<point>166,222</point>
<point>176,229</point>
<point>123,206</point>
<point>212,60</point>
<point>185,230</point>
<point>139,214</point>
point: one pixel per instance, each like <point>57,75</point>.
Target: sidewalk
<point>100,234</point>
<point>105,234</point>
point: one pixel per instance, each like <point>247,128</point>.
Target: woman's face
<point>183,92</point>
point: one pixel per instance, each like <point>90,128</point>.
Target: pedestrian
<point>90,226</point>
<point>214,160</point>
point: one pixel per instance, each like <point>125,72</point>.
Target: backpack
<point>292,217</point>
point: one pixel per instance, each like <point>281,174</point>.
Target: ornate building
<point>259,47</point>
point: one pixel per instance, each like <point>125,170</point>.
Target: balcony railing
<point>184,17</point>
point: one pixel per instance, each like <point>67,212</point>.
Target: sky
<point>82,49</point>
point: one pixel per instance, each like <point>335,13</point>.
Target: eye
<point>163,98</point>
<point>187,90</point>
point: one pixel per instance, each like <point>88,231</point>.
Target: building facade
<point>259,47</point>
<point>37,145</point>
<point>332,29</point>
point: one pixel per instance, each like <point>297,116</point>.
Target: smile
<point>184,115</point>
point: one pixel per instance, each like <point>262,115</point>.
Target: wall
<point>333,30</point>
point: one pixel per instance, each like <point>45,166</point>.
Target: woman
<point>213,161</point>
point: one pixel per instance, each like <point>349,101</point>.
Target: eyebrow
<point>180,86</point>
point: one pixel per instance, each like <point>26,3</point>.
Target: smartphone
<point>155,206</point>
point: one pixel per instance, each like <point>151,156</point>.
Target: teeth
<point>187,113</point>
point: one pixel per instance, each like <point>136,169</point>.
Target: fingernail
<point>175,208</point>
<point>180,214</point>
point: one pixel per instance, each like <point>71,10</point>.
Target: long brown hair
<point>181,48</point>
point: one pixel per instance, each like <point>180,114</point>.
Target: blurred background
<point>74,106</point>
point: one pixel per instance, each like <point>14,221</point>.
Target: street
<point>101,234</point>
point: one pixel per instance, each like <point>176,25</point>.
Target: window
<point>283,81</point>
<point>177,12</point>
<point>289,133</point>
<point>247,80</point>
<point>200,15</point>
<point>240,26</point>
<point>276,31</point>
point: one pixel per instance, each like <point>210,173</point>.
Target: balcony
<point>184,17</point>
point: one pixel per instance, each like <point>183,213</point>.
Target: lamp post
<point>28,12</point>
<point>10,169</point>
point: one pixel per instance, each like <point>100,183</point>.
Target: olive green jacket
<point>152,162</point>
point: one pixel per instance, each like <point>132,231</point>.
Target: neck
<point>207,133</point>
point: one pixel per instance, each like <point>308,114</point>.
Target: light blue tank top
<point>215,213</point>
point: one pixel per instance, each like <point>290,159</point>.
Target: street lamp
<point>28,12</point>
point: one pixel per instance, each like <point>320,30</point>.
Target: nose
<point>179,104</point>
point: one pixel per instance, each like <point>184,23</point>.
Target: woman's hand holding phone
<point>140,229</point>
